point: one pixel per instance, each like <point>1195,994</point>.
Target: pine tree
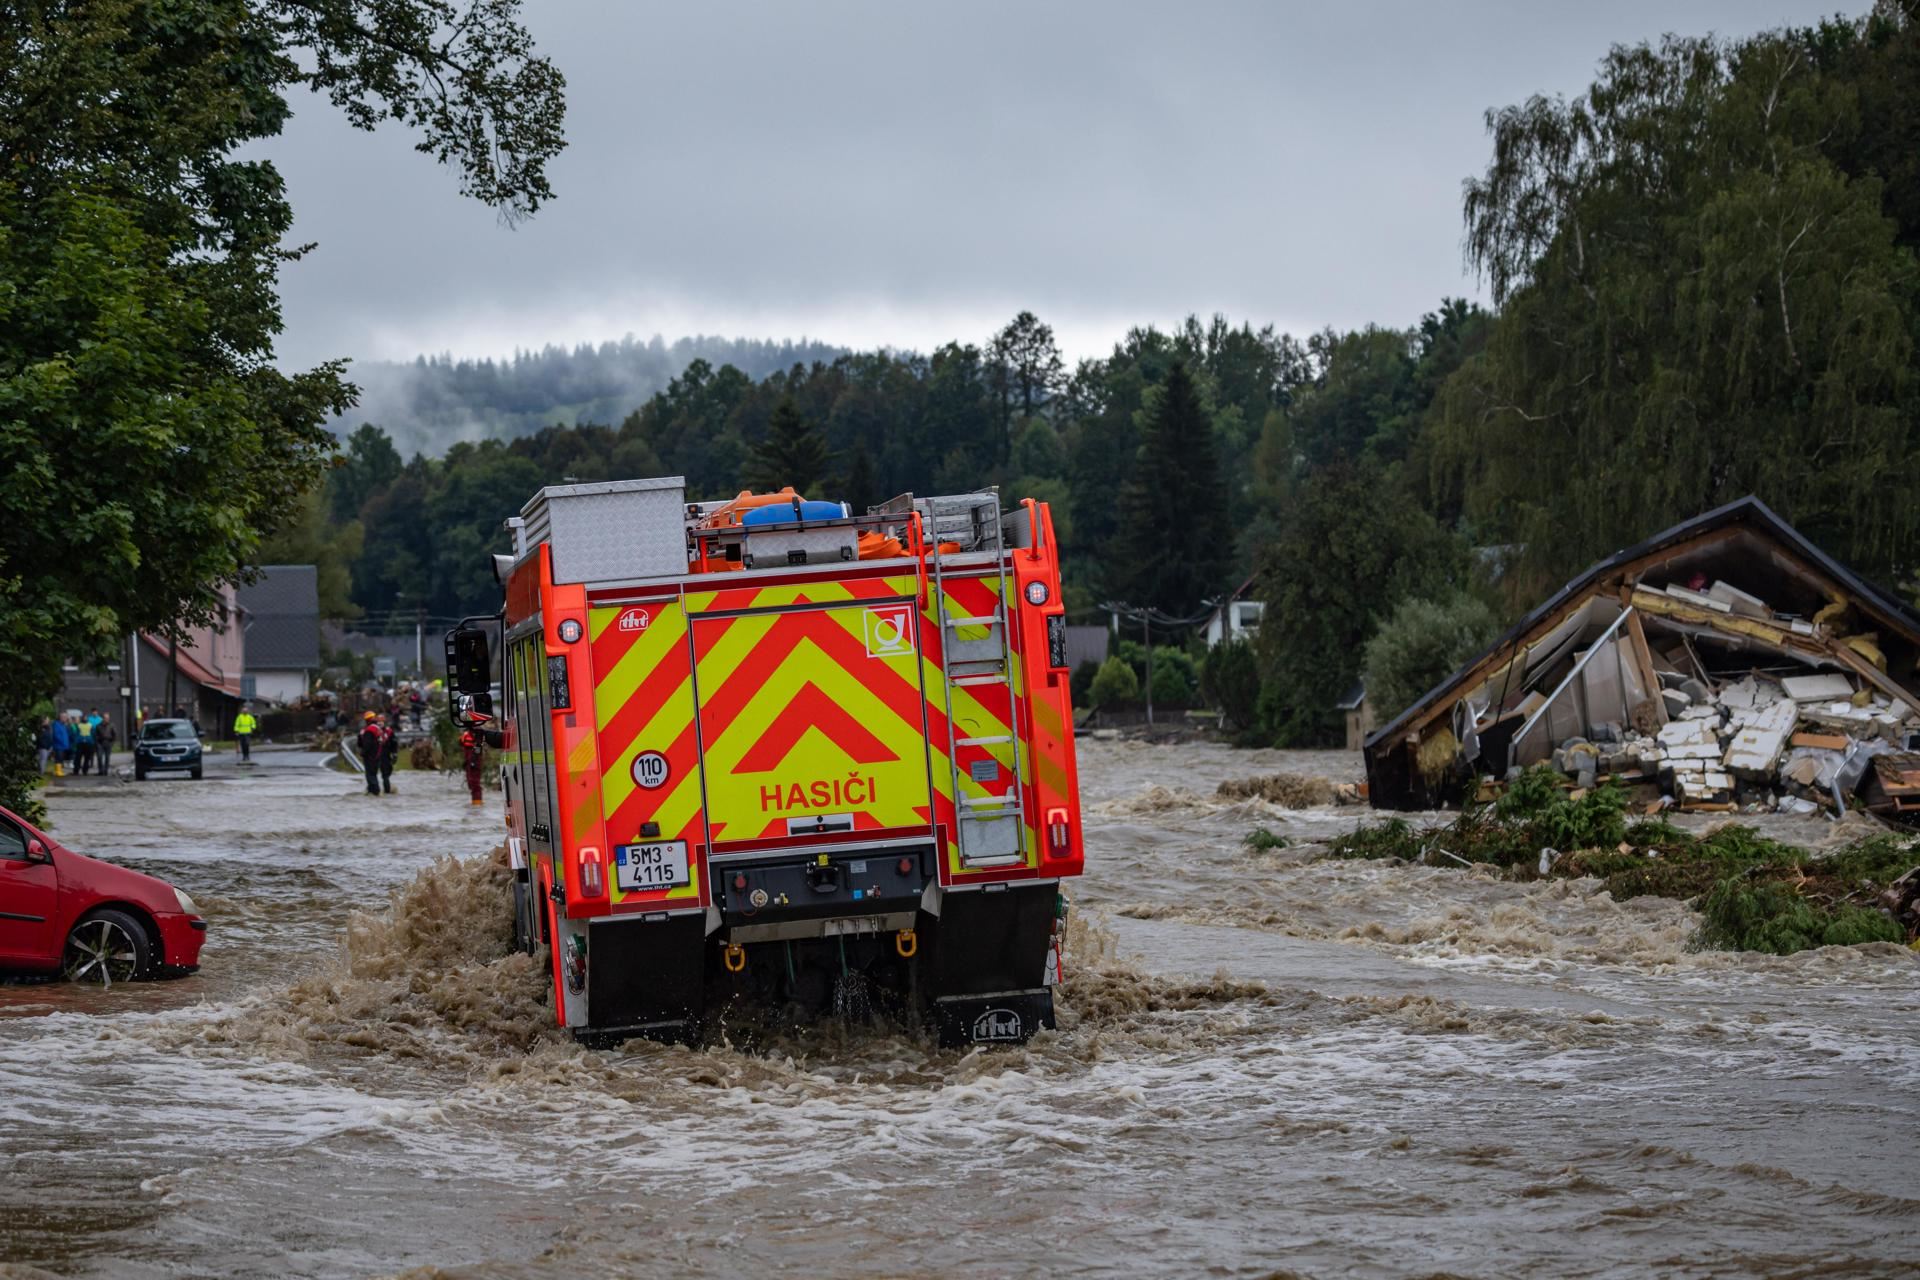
<point>1174,539</point>
<point>1027,370</point>
<point>794,452</point>
<point>860,489</point>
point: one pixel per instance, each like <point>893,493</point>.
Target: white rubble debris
<point>1818,687</point>
<point>1758,744</point>
<point>1739,601</point>
<point>1760,741</point>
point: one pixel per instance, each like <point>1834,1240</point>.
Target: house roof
<point>283,632</point>
<point>1750,512</point>
<point>1355,696</point>
<point>190,667</point>
<point>1238,593</point>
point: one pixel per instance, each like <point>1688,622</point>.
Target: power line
<point>1147,616</point>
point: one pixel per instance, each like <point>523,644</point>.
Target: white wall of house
<point>279,686</point>
<point>1235,620</point>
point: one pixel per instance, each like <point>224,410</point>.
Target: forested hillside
<point>433,402</point>
<point>1705,279</point>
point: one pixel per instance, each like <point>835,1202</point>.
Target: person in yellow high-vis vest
<point>243,726</point>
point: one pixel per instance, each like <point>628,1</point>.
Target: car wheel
<point>107,947</point>
<point>196,771</point>
<point>139,773</point>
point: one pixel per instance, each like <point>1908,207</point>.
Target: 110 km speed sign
<point>650,770</point>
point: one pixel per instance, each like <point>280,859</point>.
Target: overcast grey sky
<point>901,174</point>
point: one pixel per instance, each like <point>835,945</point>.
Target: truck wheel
<point>107,947</point>
<point>522,926</point>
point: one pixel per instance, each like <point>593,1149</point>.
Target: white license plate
<point>651,866</point>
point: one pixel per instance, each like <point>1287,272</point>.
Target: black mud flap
<point>1006,1017</point>
<point>645,978</point>
<point>989,940</point>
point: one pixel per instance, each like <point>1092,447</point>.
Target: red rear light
<point>593,872</point>
<point>1059,834</point>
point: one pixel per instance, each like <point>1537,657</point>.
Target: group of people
<point>379,744</point>
<point>76,743</point>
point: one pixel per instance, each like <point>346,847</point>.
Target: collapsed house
<point>1726,665</point>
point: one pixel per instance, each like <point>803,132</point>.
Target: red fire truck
<point>770,750</point>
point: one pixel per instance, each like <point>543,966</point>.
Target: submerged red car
<point>91,921</point>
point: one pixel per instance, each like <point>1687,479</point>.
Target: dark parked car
<point>92,921</point>
<point>167,744</point>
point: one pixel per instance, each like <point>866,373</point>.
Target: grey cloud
<point>868,173</point>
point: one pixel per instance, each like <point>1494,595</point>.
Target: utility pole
<point>131,725</point>
<point>173,674</point>
<point>1146,635</point>
<point>420,643</point>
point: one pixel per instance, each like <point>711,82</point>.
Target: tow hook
<point>735,957</point>
<point>906,943</point>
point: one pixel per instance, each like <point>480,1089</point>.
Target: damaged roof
<point>1715,540</point>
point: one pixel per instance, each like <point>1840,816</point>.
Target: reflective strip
<point>642,702</point>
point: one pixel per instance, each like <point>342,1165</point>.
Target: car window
<point>166,729</point>
<point>13,841</point>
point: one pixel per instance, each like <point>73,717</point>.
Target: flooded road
<point>1266,1064</point>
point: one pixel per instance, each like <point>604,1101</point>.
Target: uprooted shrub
<point>1753,893</point>
<point>1535,813</point>
<point>1743,913</point>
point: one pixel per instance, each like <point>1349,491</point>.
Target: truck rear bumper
<point>821,892</point>
<point>830,927</point>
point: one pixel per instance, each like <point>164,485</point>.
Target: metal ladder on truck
<point>989,830</point>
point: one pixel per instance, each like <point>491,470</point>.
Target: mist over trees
<point>427,404</point>
<point>867,426</point>
<point>1706,286</point>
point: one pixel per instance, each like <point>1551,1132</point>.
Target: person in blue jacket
<point>62,744</point>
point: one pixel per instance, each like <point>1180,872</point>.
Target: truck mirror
<point>469,667</point>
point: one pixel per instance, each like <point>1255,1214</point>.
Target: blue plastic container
<point>782,513</point>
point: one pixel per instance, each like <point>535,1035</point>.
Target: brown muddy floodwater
<point>1266,1064</point>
